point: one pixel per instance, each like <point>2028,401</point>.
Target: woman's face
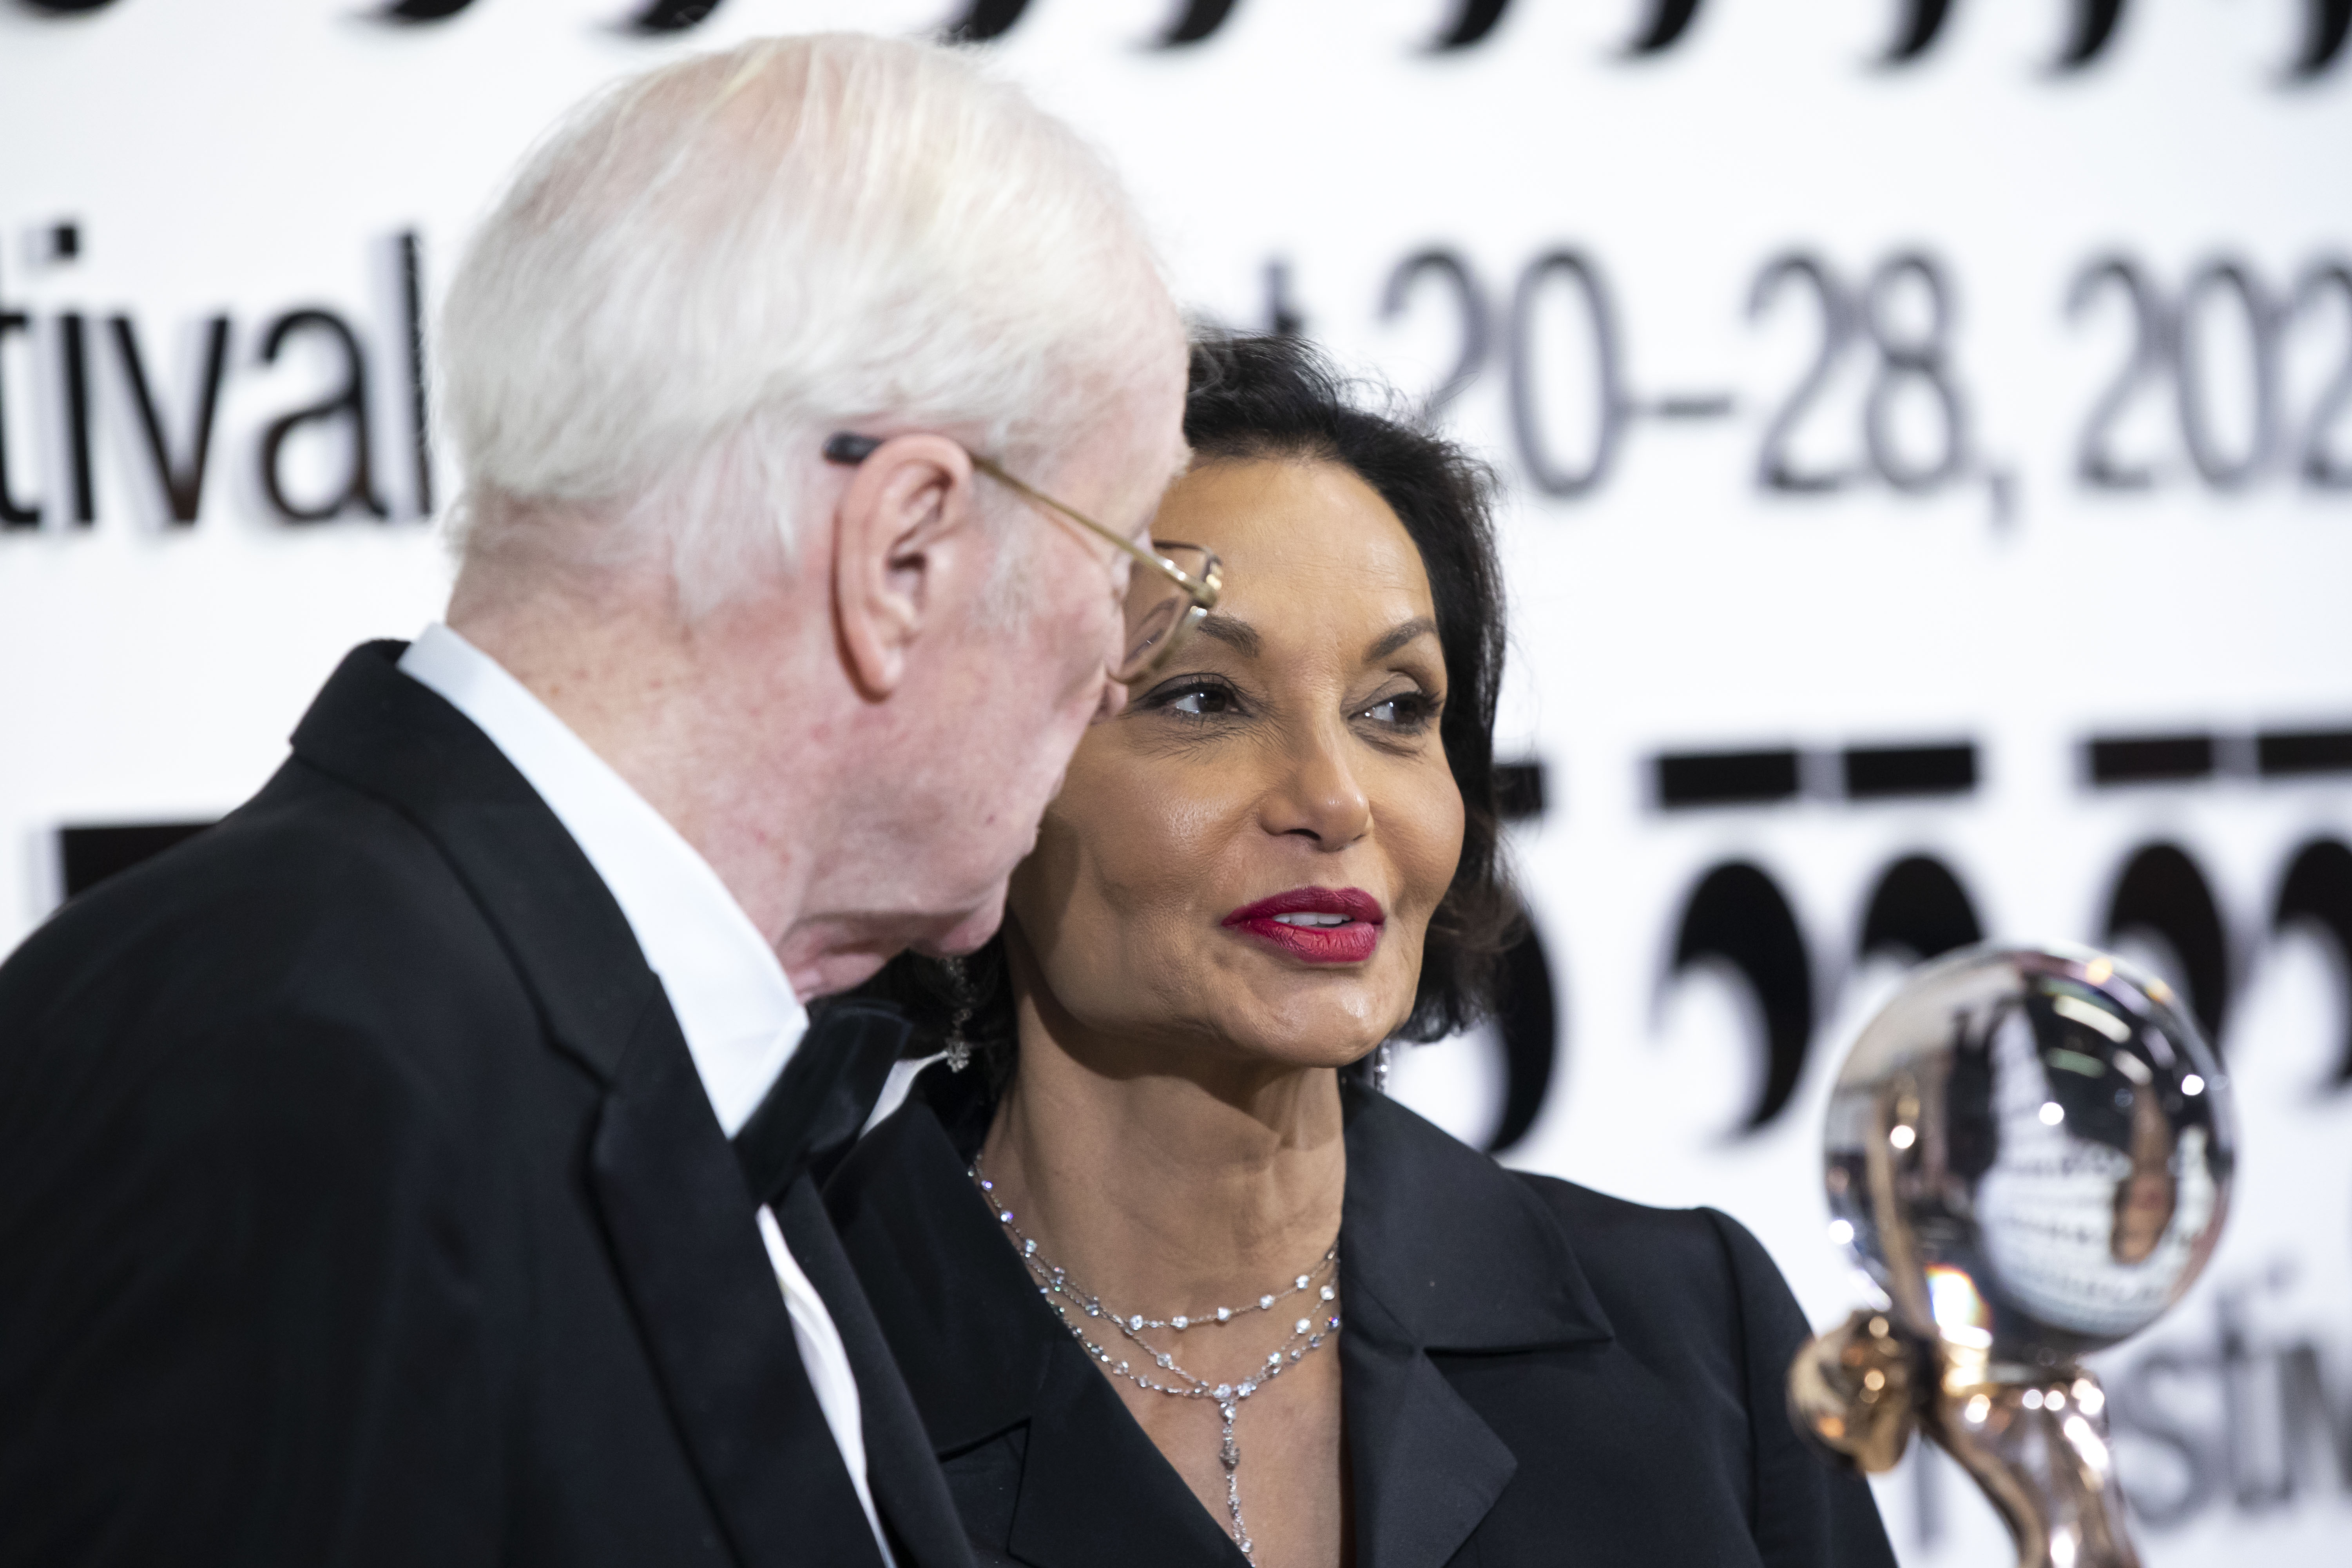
<point>1244,861</point>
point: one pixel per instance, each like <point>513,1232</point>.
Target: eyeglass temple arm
<point>1203,593</point>
<point>850,448</point>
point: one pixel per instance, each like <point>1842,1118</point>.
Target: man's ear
<point>906,503</point>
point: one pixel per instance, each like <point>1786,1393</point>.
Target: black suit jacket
<point>360,1203</point>
<point>1531,1373</point>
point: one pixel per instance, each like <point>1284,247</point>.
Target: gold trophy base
<point>2034,1439</point>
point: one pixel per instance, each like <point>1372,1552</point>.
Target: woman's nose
<point>1319,796</point>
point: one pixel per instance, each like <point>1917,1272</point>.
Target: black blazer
<point>1531,1373</point>
<point>360,1203</point>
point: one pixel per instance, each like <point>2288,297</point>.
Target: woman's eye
<point>1198,700</point>
<point>1405,711</point>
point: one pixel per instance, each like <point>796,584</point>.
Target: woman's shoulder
<point>1438,1209</point>
<point>1452,1192</point>
<point>1616,1235</point>
<point>1695,1299</point>
<point>1688,1273</point>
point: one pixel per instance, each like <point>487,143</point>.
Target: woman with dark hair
<point>1170,1279</point>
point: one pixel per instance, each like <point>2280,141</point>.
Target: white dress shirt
<point>739,1016</point>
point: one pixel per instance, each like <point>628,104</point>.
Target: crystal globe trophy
<point>2029,1150</point>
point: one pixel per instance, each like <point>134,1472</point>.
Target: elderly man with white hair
<point>419,1166</point>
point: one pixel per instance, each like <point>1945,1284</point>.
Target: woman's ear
<point>904,513</point>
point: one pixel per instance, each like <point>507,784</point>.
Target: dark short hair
<point>1276,397</point>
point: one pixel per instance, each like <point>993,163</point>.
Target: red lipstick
<point>1327,925</point>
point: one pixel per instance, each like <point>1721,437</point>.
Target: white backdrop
<point>1982,575</point>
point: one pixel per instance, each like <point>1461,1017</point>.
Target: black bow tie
<point>818,1103</point>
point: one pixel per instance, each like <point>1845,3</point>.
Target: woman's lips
<point>1326,925</point>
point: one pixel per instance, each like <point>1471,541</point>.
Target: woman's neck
<point>1170,1189</point>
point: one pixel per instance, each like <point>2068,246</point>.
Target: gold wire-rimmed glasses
<point>1174,587</point>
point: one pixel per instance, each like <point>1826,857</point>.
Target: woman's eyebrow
<point>1235,635</point>
<point>1396,637</point>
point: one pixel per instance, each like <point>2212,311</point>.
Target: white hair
<point>705,269</point>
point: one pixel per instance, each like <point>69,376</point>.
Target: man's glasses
<point>1172,587</point>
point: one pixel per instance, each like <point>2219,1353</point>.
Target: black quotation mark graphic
<point>1196,21</point>
<point>1737,914</point>
<point>1917,26</point>
<point>1669,20</point>
<point>2159,897</point>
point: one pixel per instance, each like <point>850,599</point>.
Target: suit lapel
<point>681,1223</point>
<point>908,1491</point>
<point>811,1114</point>
<point>401,742</point>
<point>807,1122</point>
<point>680,1220</point>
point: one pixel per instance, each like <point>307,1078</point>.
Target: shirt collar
<point>739,1014</point>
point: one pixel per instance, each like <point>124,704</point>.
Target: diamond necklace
<point>1063,1293</point>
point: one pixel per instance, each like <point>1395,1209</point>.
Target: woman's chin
<point>1310,1037</point>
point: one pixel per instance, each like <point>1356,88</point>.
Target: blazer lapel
<point>984,1356</point>
<point>1094,1490</point>
<point>1439,1249</point>
<point>1425,1467</point>
<point>680,1222</point>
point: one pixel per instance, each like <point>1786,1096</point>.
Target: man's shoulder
<point>305,849</point>
<point>311,898</point>
<point>288,996</point>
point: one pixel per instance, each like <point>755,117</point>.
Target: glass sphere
<point>2029,1151</point>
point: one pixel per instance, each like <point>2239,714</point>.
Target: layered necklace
<point>1077,1306</point>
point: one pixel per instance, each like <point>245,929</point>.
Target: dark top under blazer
<point>1531,1373</point>
<point>360,1203</point>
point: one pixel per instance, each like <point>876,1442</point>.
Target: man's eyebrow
<point>1397,636</point>
<point>1235,635</point>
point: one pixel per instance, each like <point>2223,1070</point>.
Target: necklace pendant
<point>1231,1452</point>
